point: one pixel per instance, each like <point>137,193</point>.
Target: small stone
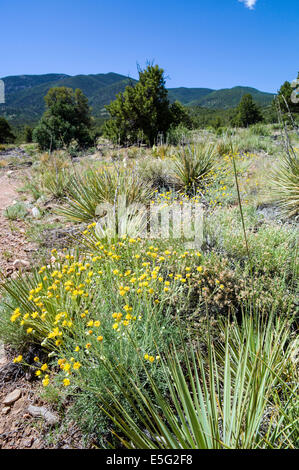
<point>36,444</point>
<point>29,442</point>
<point>19,406</point>
<point>5,410</point>
<point>12,397</point>
<point>3,358</point>
<point>41,412</point>
<point>21,263</point>
<point>3,361</point>
<point>36,213</point>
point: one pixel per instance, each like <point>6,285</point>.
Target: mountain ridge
<point>25,93</point>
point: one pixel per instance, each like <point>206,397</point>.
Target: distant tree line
<point>139,114</point>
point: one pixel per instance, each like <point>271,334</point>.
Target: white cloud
<point>249,3</point>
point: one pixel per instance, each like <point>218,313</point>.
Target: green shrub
<point>178,135</point>
<point>157,173</point>
<point>224,146</point>
<point>247,142</point>
<point>67,117</point>
<point>260,129</point>
<point>50,175</point>
<point>162,151</point>
<point>271,246</point>
<point>220,131</point>
<point>16,211</point>
<point>135,152</point>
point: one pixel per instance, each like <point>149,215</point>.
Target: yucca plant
<point>285,184</point>
<point>56,182</point>
<point>213,403</point>
<point>193,164</point>
<point>86,193</point>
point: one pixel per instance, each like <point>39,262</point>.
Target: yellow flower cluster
<point>60,308</point>
<point>151,358</point>
<point>216,185</point>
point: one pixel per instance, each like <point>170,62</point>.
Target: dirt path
<point>8,191</point>
<point>13,244</point>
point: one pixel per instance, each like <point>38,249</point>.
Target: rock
<point>3,362</point>
<point>21,263</point>
<point>5,410</point>
<point>3,358</point>
<point>30,375</point>
<point>36,213</point>
<point>42,412</point>
<point>12,397</point>
<point>19,406</point>
<point>29,442</point>
<point>36,444</point>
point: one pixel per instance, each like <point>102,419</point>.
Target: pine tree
<point>180,115</point>
<point>247,112</point>
<point>142,111</point>
<point>28,134</point>
<point>6,134</point>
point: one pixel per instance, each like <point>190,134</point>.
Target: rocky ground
<point>26,421</point>
<point>14,248</point>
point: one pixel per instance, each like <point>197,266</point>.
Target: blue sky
<point>199,43</point>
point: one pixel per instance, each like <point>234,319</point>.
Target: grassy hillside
<point>230,97</point>
<point>188,95</point>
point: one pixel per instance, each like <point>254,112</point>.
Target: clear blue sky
<point>199,43</point>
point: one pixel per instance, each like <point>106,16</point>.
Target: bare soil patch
<point>13,243</point>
